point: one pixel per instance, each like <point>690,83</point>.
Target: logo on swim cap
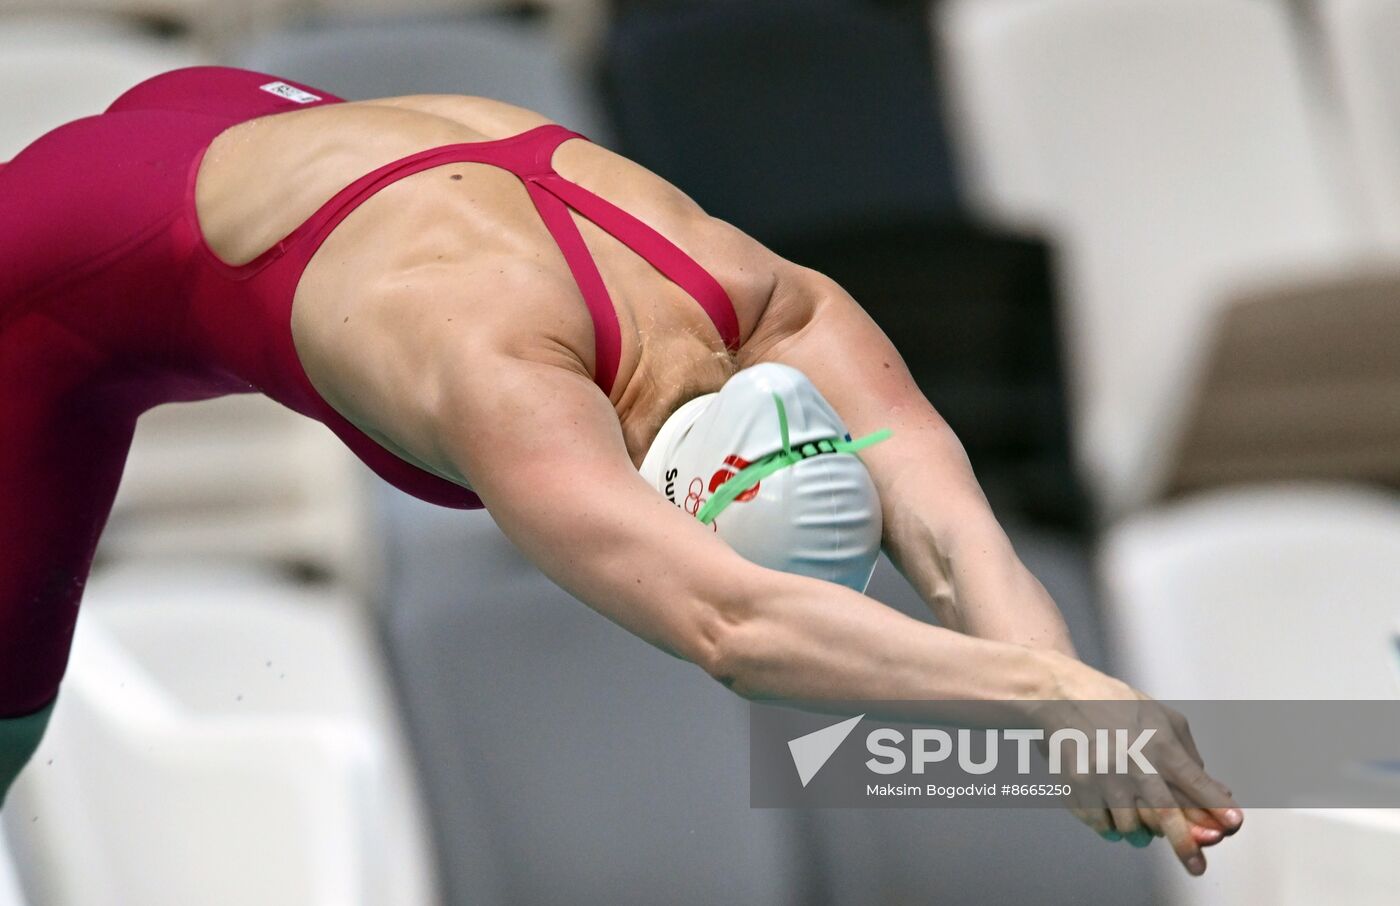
<point>733,465</point>
<point>769,465</point>
<point>748,479</point>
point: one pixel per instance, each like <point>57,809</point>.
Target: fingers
<point>1205,836</point>
<point>1178,833</point>
<point>1151,820</point>
<point>1126,822</point>
<point>1204,829</point>
<point>1098,821</point>
<point>1118,792</point>
<point>1196,786</point>
<point>1175,827</point>
<point>1086,804</point>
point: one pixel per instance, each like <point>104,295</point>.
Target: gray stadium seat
<point>966,856</point>
<point>567,762</point>
<point>500,57</point>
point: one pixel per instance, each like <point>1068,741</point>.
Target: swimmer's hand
<point>1180,802</point>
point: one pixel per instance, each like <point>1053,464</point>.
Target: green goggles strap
<point>755,472</point>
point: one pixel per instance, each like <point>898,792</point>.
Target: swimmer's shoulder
<point>484,117</point>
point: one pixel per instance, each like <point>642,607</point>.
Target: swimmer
<point>677,426</point>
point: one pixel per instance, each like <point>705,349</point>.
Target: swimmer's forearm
<point>943,537</point>
<point>799,639</point>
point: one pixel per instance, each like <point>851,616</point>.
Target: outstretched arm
<point>939,529</point>
<point>544,450</point>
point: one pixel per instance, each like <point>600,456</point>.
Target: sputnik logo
<point>811,752</point>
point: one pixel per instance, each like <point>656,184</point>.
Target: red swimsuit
<point>111,303</point>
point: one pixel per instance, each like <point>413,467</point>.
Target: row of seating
<point>496,685</point>
<point>1185,158</point>
<point>1217,176</point>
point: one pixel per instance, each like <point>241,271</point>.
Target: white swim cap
<point>770,465</point>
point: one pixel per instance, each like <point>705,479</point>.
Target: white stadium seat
<point>1169,148</point>
<point>1336,856</point>
<point>1285,592</point>
<point>220,739</point>
<point>10,892</point>
<point>1362,38</point>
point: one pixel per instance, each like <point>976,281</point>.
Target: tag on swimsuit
<point>290,92</point>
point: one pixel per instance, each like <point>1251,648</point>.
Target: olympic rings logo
<point>695,493</point>
<point>692,497</point>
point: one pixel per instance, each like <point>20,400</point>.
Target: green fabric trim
<point>19,737</point>
<point>755,472</point>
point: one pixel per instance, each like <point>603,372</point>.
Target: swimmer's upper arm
<point>543,448</point>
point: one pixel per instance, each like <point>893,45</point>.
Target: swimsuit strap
<point>658,251</point>
<point>529,156</point>
<point>607,335</point>
<point>555,196</point>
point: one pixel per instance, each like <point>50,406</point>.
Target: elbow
<point>741,654</point>
<point>722,659</point>
<point>733,645</point>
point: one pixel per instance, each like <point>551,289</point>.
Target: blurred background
<point>1144,255</point>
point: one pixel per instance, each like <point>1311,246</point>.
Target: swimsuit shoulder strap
<point>658,251</point>
<point>529,156</point>
<point>554,197</point>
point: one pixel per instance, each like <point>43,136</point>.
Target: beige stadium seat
<point>1285,592</point>
<point>1337,856</point>
<point>1170,149</point>
<point>1299,382</point>
<point>1362,38</point>
<point>220,739</point>
<point>56,69</point>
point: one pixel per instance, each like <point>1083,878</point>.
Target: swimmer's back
<point>461,247</point>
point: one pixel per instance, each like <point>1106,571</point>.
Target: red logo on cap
<point>720,477</point>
